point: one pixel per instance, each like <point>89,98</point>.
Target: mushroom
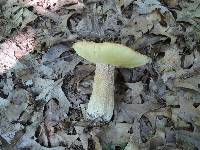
<point>106,56</point>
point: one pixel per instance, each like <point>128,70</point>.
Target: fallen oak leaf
<point>83,136</point>
<point>147,6</point>
<point>129,112</point>
<point>190,137</point>
<point>48,89</point>
<point>187,111</point>
<point>28,16</point>
<point>20,16</point>
<point>115,133</point>
<point>3,103</point>
<point>191,83</point>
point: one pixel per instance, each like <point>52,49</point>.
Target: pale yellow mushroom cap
<point>110,53</point>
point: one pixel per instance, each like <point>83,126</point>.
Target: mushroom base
<point>101,104</point>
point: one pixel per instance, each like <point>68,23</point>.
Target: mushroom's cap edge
<point>110,53</point>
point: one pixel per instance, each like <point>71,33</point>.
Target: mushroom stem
<point>101,102</point>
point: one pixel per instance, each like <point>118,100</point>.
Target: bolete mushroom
<point>106,56</point>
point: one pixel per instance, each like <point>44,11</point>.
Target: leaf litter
<point>45,86</point>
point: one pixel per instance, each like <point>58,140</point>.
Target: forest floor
<point>45,86</point>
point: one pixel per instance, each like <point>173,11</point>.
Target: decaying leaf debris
<point>45,87</point>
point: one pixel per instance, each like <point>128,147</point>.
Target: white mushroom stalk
<point>106,56</point>
<point>101,102</point>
